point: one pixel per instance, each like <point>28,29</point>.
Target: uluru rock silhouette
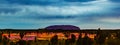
<point>62,27</point>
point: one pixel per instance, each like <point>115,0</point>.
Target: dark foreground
<point>67,38</point>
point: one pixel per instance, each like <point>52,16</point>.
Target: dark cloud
<point>40,2</point>
<point>115,0</point>
<point>9,10</point>
<point>78,0</point>
<point>28,2</point>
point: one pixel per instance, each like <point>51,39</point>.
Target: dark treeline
<point>101,38</point>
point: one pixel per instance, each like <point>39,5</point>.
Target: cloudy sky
<point>34,14</point>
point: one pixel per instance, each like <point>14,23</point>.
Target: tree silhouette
<point>21,35</point>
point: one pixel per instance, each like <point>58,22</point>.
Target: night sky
<point>34,14</point>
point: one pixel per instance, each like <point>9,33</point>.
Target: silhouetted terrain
<point>60,35</point>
